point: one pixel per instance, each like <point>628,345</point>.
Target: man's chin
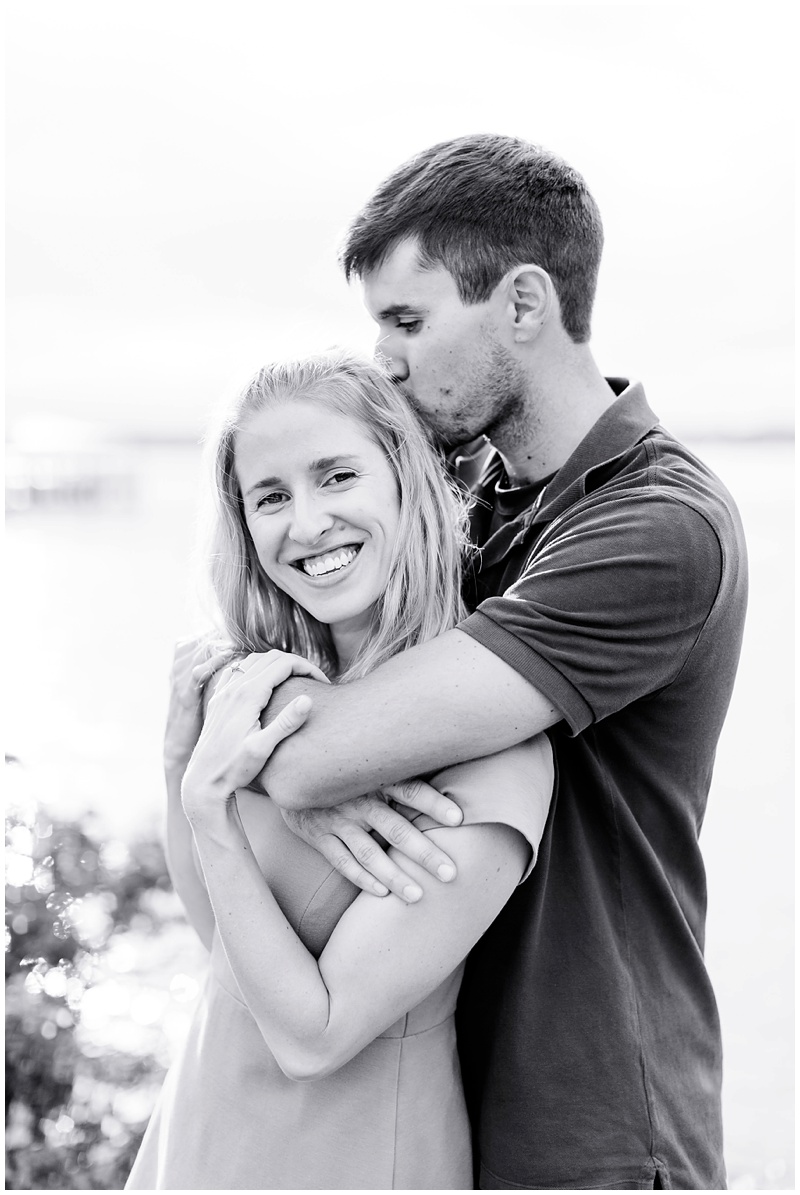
<point>445,441</point>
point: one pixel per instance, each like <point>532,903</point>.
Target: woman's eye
<point>276,499</point>
<point>341,476</point>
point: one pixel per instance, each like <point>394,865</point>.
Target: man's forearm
<point>441,703</point>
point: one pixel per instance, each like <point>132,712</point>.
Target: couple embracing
<point>435,813</point>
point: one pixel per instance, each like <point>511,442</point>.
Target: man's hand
<point>342,834</point>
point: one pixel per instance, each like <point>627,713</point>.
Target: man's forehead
<point>400,266</point>
<point>401,280</point>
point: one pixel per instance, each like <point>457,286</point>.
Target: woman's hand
<point>194,663</point>
<point>232,748</point>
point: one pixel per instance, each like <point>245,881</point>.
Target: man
<point>608,605</point>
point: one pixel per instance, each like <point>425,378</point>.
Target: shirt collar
<point>619,428</point>
<point>621,425</point>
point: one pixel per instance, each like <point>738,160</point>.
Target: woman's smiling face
<point>322,506</point>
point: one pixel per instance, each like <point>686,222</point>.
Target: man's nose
<point>390,352</point>
<point>310,520</point>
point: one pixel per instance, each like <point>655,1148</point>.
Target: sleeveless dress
<point>393,1118</point>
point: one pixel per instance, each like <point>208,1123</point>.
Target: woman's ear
<point>533,298</point>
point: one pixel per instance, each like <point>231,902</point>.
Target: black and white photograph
<point>399,590</point>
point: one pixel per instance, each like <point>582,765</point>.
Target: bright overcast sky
<point>179,175</point>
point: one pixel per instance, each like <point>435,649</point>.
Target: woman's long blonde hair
<point>423,591</point>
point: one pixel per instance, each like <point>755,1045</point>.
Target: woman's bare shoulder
<point>527,764</point>
<point>511,788</point>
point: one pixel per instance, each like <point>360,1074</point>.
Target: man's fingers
<point>373,859</point>
<point>425,799</point>
<point>349,848</point>
<point>343,836</point>
<point>411,842</point>
<point>342,860</point>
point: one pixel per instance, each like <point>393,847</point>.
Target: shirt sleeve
<point>609,605</point>
<point>512,787</point>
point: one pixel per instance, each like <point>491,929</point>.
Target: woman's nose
<point>310,520</point>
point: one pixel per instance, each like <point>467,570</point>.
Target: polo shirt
<point>588,1029</point>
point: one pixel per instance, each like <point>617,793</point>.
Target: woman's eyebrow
<point>317,466</point>
<point>264,484</point>
<point>328,462</point>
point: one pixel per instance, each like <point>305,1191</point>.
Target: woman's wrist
<point>216,827</point>
<point>208,807</point>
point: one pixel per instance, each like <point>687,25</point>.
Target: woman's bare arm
<point>194,666</point>
<point>384,956</point>
<point>382,959</point>
<point>181,865</point>
<point>445,701</point>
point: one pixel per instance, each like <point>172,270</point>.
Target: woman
<point>323,1053</point>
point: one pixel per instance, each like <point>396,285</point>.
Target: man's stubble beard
<point>495,405</point>
<point>502,407</point>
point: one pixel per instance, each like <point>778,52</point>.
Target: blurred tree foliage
<point>93,934</point>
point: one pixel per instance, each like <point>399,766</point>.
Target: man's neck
<point>560,411</point>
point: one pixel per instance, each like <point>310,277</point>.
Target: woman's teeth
<point>318,566</point>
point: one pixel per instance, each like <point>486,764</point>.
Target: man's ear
<point>532,296</point>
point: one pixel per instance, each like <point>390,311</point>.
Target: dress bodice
<point>393,1117</point>
<point>313,896</point>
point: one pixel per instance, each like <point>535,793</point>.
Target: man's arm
<point>440,703</point>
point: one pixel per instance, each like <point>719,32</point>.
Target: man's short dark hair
<point>479,206</point>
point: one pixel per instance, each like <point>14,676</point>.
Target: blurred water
<point>99,592</point>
